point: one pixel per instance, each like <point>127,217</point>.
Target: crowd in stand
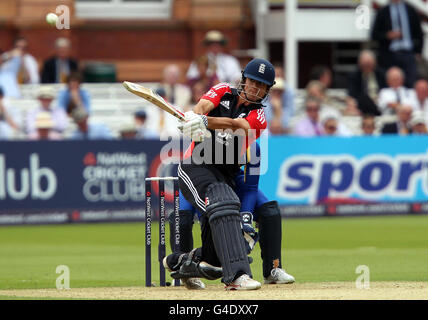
<point>384,85</point>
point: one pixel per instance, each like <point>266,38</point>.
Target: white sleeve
<point>192,72</point>
<point>386,96</point>
<point>411,99</point>
<point>32,68</point>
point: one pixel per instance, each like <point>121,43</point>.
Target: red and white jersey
<point>225,100</point>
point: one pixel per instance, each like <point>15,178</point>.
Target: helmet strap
<point>241,90</point>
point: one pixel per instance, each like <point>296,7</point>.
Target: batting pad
<point>226,229</point>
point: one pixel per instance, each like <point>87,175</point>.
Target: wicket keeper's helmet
<point>260,70</point>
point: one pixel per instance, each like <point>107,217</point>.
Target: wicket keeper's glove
<point>250,235</point>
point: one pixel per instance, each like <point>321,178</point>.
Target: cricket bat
<point>153,97</point>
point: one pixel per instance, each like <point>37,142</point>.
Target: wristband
<point>205,120</point>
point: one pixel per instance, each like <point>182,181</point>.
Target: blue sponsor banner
<point>61,181</point>
<point>357,170</point>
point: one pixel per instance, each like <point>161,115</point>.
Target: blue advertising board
<point>91,181</point>
<point>59,181</point>
<point>358,170</point>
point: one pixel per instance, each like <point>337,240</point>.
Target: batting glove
<point>194,126</point>
<point>251,236</point>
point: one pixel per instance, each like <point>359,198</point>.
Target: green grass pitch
<point>395,248</point>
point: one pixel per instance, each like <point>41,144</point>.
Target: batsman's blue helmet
<point>260,70</point>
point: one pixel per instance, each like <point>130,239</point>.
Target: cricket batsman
<point>223,124</point>
<point>255,206</point>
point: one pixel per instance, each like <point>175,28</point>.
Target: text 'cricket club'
<point>115,177</point>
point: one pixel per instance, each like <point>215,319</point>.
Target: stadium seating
<point>114,106</point>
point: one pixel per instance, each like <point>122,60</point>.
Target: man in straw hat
<point>227,67</point>
<point>46,96</point>
<point>44,128</point>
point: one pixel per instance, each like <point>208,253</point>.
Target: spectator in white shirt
<point>29,71</point>
<point>9,119</point>
<point>227,67</point>
<point>418,123</point>
<point>396,93</point>
<point>10,63</point>
<point>421,92</point>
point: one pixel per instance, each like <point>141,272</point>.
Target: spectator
<point>421,92</point>
<point>402,125</point>
<point>29,70</point>
<point>310,124</point>
<point>44,125</point>
<point>329,125</point>
<point>332,124</point>
<point>197,93</point>
<point>317,89</point>
<point>74,95</point>
<point>279,107</point>
<point>58,116</point>
<point>368,124</point>
<point>142,132</point>
<point>279,70</point>
<point>57,68</point>
<point>395,94</point>
<point>9,119</point>
<point>205,77</point>
<point>322,74</point>
<point>176,93</point>
<point>398,32</point>
<point>365,83</point>
<point>227,67</point>
<point>418,123</point>
<point>86,129</point>
<point>128,131</point>
<point>10,63</point>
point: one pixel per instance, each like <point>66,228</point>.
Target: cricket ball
<point>51,18</point>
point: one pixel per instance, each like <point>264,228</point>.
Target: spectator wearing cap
<point>396,94</point>
<point>402,125</point>
<point>74,94</point>
<point>142,132</point>
<point>9,119</point>
<point>44,128</point>
<point>279,107</point>
<point>57,68</point>
<point>46,96</point>
<point>88,130</point>
<point>225,66</point>
<point>418,123</point>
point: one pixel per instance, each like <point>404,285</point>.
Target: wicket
<point>162,219</point>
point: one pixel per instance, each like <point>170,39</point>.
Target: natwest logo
<point>35,182</point>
